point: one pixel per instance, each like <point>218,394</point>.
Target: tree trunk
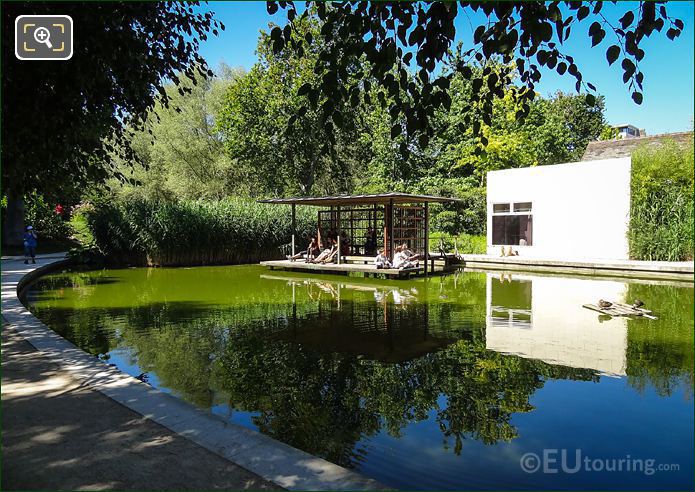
<point>13,227</point>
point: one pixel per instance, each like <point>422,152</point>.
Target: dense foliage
<point>399,38</point>
<point>181,152</point>
<point>661,210</point>
<point>146,232</point>
<point>44,218</point>
<point>282,148</point>
<point>61,113</point>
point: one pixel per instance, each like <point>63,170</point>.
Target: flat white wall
<point>580,209</point>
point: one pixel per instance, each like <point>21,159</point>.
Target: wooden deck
<point>359,265</point>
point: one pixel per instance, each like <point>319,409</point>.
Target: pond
<point>443,383</point>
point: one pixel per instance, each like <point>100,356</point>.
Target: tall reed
<point>144,232</point>
<point>661,210</point>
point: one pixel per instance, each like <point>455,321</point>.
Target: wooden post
<point>338,238</point>
<point>294,228</point>
<point>427,236</point>
<point>389,229</point>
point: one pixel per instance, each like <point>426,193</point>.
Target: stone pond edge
<point>272,460</point>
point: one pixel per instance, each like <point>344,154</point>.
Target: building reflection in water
<point>375,322</point>
<point>542,318</point>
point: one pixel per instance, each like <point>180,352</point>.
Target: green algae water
<point>472,380</point>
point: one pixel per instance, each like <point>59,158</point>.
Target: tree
<point>527,36</point>
<point>59,114</point>
<point>180,151</point>
<point>280,145</point>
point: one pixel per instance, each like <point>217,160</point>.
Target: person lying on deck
<point>327,253</point>
<point>309,253</point>
<point>332,253</point>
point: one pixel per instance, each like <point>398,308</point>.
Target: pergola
<point>402,218</point>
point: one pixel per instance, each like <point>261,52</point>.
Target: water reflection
<point>541,318</point>
<point>354,369</point>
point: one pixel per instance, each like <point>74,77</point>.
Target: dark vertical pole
<point>390,229</point>
<point>338,238</point>
<point>294,228</point>
<point>427,236</point>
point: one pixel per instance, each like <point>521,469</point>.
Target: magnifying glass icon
<point>43,35</point>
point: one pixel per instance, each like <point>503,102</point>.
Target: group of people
<point>314,254</point>
<point>403,257</point>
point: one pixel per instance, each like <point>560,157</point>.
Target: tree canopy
<point>61,113</point>
<point>397,38</point>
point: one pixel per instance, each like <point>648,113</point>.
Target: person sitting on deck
<point>410,255</point>
<point>370,242</point>
<point>402,260</point>
<point>344,244</point>
<point>309,253</point>
<point>381,261</point>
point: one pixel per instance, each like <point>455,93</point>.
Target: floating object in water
<point>619,309</point>
<point>637,303</point>
<point>142,377</point>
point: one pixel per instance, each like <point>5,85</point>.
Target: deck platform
<point>359,265</point>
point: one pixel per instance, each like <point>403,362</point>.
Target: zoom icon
<point>43,37</point>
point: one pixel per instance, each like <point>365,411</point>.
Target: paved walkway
<point>72,422</point>
<point>60,435</point>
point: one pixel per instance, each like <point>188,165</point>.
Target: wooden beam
<point>338,238</point>
<point>294,228</point>
<point>427,236</point>
<point>389,229</point>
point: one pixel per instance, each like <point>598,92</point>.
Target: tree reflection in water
<point>324,364</point>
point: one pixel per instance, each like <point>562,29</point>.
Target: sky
<point>668,66</point>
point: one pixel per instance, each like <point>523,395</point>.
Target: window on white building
<point>512,225</point>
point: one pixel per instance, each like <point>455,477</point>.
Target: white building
<point>570,211</point>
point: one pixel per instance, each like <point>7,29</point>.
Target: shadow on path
<point>62,436</point>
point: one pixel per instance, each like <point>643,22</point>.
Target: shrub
<point>139,231</point>
<point>44,219</point>
<point>661,209</point>
<point>466,243</point>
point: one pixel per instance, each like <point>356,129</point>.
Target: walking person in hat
<point>29,245</point>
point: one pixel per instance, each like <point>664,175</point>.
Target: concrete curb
<point>658,270</point>
<point>270,459</point>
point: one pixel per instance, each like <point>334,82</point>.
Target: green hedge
<point>143,232</point>
<point>42,216</point>
<point>661,210</point>
<point>468,244</point>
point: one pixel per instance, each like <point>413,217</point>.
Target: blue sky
<point>668,65</point>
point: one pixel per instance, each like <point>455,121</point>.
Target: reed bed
<point>233,231</point>
<point>661,210</point>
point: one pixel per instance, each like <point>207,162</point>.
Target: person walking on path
<point>29,245</point>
